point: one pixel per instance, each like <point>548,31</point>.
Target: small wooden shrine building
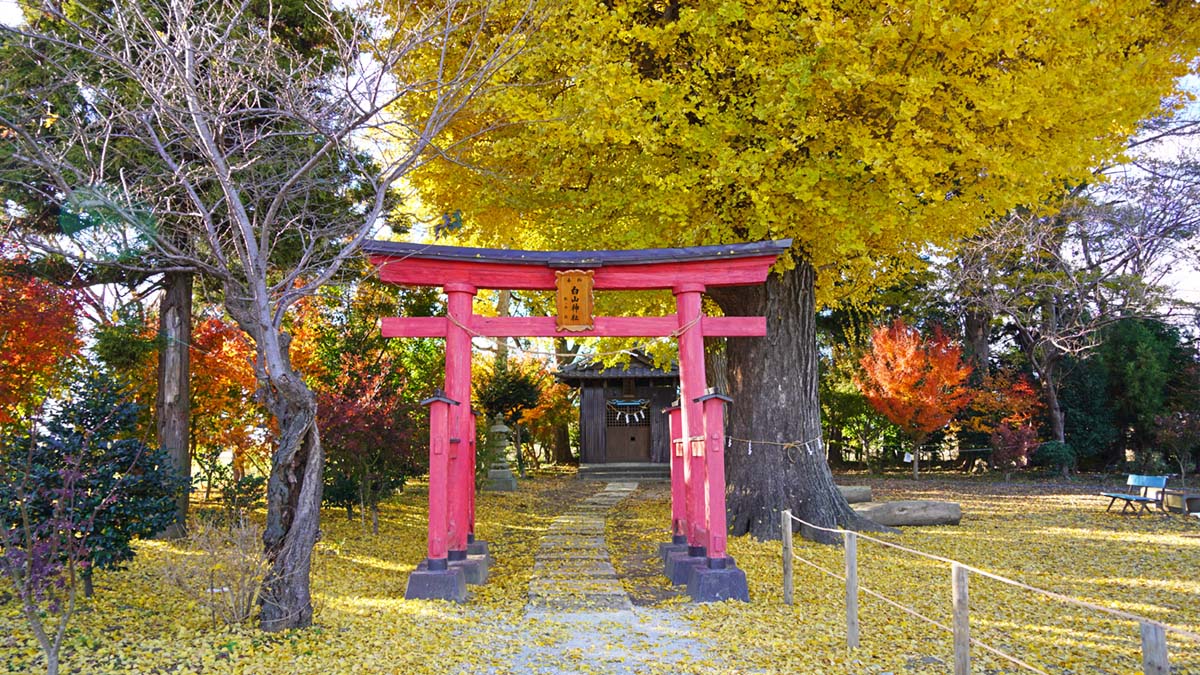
<point>620,410</point>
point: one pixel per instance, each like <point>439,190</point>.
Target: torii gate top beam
<point>639,269</point>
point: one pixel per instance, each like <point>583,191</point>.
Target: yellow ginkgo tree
<point>865,131</point>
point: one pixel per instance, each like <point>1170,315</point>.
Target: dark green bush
<point>123,488</point>
<point>1055,454</point>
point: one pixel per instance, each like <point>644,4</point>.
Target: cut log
<point>914,512</point>
<point>855,494</point>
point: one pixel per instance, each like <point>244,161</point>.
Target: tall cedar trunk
<point>773,382</point>
<point>516,429</point>
<point>503,302</point>
<point>172,405</point>
<point>1050,359</point>
<point>562,433</point>
<point>716,363</point>
<point>1054,409</point>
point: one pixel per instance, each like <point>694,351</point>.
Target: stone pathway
<point>579,619</point>
<point>572,571</point>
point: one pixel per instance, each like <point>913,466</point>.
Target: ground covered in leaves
<point>1048,534</point>
<point>1051,535</point>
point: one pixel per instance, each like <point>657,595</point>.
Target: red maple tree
<point>1005,397</point>
<point>916,382</point>
<point>37,331</point>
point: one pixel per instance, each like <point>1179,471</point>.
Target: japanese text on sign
<point>574,300</point>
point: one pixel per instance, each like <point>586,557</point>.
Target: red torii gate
<point>696,554</point>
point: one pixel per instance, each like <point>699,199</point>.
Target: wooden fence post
<point>962,621</point>
<point>851,590</point>
<point>788,582</point>
<point>1154,650</point>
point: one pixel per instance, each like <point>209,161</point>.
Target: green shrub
<point>128,488</point>
<point>1055,454</point>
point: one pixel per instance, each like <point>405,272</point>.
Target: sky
<point>1184,279</point>
<point>9,12</point>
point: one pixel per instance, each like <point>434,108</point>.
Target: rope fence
<point>1155,659</point>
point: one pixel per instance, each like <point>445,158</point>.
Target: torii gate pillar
<point>698,519</point>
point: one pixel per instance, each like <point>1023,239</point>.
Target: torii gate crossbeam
<point>696,555</point>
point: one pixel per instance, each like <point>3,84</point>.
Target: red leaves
<point>1011,445</point>
<point>37,331</point>
<point>360,414</point>
<point>1003,398</point>
<point>917,383</point>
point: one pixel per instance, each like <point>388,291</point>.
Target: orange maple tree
<point>1002,398</point>
<point>38,330</point>
<point>916,382</point>
<point>555,409</point>
<point>225,415</point>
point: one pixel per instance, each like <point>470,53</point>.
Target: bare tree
<point>196,141</point>
<point>1056,280</point>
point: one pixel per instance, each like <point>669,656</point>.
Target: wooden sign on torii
<point>696,555</point>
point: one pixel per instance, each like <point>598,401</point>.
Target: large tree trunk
<point>293,506</point>
<point>294,486</point>
<point>976,324</point>
<point>172,405</point>
<point>773,382</point>
<point>1054,406</point>
<point>716,363</point>
<point>1047,370</point>
<point>562,445</point>
<point>503,302</point>
<point>563,355</point>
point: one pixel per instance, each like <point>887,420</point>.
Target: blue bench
<point>1149,492</point>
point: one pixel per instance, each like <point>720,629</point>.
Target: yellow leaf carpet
<point>1050,536</point>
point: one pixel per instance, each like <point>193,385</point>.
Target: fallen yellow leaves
<point>1058,539</point>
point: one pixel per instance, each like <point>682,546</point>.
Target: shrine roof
<point>576,259</point>
<point>639,366</point>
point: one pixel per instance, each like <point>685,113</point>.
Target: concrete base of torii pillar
<point>438,584</point>
<point>714,584</point>
<point>678,544</point>
<point>474,568</point>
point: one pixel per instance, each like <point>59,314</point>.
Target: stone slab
<point>573,554</point>
<point>579,567</point>
<point>679,566</point>
<point>911,512</point>
<point>666,548</point>
<point>568,541</point>
<point>448,584</point>
<point>540,604</point>
<point>475,569</point>
<point>576,587</point>
<point>715,585</point>
<point>502,483</point>
<point>855,494</point>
